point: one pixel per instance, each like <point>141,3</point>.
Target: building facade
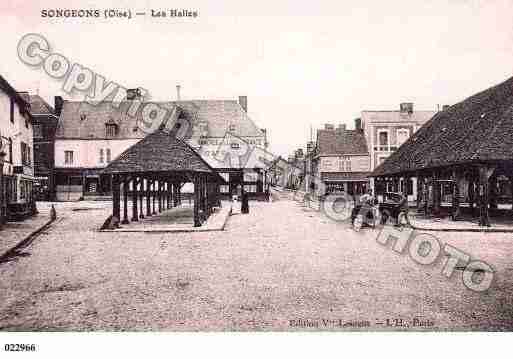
<point>90,136</point>
<point>17,180</point>
<point>44,125</point>
<point>340,160</point>
<point>386,131</point>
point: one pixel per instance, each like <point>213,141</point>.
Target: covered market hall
<point>462,159</point>
<point>151,174</point>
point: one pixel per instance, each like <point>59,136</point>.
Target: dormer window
<point>235,146</point>
<point>111,130</point>
<point>231,128</point>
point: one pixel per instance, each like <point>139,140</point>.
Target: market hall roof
<point>335,142</point>
<point>82,120</point>
<point>480,128</point>
<point>160,151</point>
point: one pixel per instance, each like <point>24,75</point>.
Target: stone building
<point>90,136</point>
<point>386,131</point>
<point>340,160</point>
<point>44,125</point>
<point>17,177</point>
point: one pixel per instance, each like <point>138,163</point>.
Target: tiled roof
<point>38,106</point>
<point>218,115</point>
<point>8,89</point>
<point>479,128</point>
<point>341,142</point>
<point>159,152</point>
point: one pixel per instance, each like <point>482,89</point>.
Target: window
<point>235,146</point>
<point>38,131</point>
<point>108,155</point>
<point>111,130</point>
<point>402,135</point>
<point>231,128</point>
<point>10,150</point>
<point>68,157</point>
<point>25,154</point>
<point>101,155</point>
<point>383,140</point>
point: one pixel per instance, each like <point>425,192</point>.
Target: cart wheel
<point>358,223</point>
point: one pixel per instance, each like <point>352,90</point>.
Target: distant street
<point>282,267</point>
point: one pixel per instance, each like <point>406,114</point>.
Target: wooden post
<point>148,194</point>
<point>493,193</point>
<point>471,194</point>
<point>171,196</point>
<point>116,197</point>
<point>455,195</point>
<point>154,190</point>
<point>175,194</point>
<point>420,189</point>
<point>167,194</point>
<point>197,222</point>
<point>436,194</point>
<point>141,196</point>
<point>484,198</point>
<point>135,216</point>
<point>510,177</point>
<point>160,195</point>
<point>125,200</point>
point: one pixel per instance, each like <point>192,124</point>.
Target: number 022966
<point>20,347</point>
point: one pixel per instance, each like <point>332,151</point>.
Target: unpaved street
<point>282,267</point>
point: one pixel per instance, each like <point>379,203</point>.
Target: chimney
<point>445,107</point>
<point>406,107</point>
<point>358,124</point>
<point>329,126</point>
<point>309,146</point>
<point>243,102</point>
<point>341,128</point>
<point>178,98</point>
<point>133,94</point>
<point>59,102</point>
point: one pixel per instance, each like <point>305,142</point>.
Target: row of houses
<point>342,159</point>
<point>60,152</point>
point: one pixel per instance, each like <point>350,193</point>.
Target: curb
<point>178,230</point>
<point>25,241</point>
<point>477,230</point>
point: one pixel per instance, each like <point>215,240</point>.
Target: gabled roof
<point>38,106</point>
<point>480,128</point>
<point>9,90</point>
<point>160,152</point>
<point>335,142</point>
<point>217,115</point>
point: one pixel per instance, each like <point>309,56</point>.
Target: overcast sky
<point>301,63</point>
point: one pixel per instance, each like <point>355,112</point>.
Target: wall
<point>359,163</point>
<point>18,132</point>
<point>86,153</point>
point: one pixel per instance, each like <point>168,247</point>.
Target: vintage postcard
<point>271,166</point>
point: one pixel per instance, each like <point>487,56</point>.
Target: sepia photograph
<point>171,171</point>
